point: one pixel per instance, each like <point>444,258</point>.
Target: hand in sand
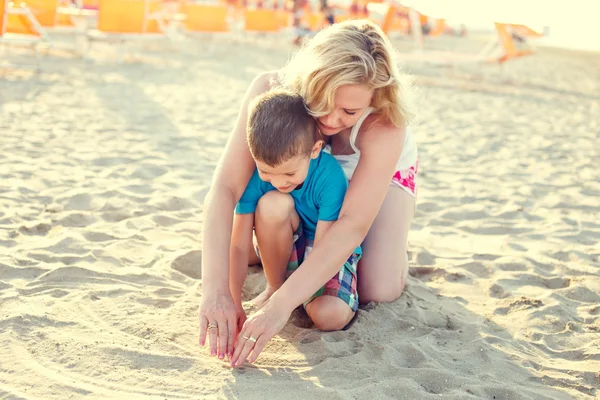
<point>218,321</point>
<point>257,331</point>
<point>240,316</point>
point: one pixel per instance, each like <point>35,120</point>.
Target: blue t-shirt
<point>320,196</point>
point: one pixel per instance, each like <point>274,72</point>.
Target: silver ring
<point>212,326</point>
<point>249,338</point>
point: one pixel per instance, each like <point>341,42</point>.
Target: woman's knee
<point>387,292</point>
<point>274,207</point>
<point>380,289</point>
<point>329,313</point>
<point>383,269</point>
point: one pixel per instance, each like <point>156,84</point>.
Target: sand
<point>103,172</point>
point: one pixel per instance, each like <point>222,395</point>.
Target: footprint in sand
<point>496,291</point>
<point>511,264</point>
<point>77,220</point>
<point>148,172</point>
<point>517,247</point>
<point>189,264</point>
<point>477,268</point>
<point>173,204</point>
<point>423,257</point>
<point>81,202</point>
<point>311,337</point>
<point>594,310</point>
<point>98,237</point>
<point>36,230</point>
<point>486,257</point>
<point>409,356</point>
<point>523,303</point>
<point>457,277</point>
<point>337,345</point>
<point>163,220</point>
<point>115,216</point>
<point>583,295</point>
<point>465,215</point>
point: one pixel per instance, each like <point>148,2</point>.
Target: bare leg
<point>383,269</point>
<point>329,313</point>
<point>275,222</point>
<point>252,256</point>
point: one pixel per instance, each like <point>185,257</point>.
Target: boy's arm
<point>241,239</point>
<point>322,227</point>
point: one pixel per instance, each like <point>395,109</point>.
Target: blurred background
<point>568,24</point>
<point>81,23</point>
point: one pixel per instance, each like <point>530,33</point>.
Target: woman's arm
<point>231,176</point>
<point>241,238</point>
<point>233,172</point>
<point>381,147</point>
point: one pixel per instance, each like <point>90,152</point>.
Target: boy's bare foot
<point>262,298</point>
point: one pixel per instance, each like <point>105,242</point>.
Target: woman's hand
<point>258,330</point>
<point>240,315</point>
<point>218,320</point>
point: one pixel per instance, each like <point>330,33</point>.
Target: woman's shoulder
<point>374,131</point>
<point>265,81</point>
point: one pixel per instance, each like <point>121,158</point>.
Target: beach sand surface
<point>103,171</point>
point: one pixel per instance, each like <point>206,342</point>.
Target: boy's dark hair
<point>280,127</point>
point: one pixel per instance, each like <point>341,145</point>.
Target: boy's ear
<point>316,149</point>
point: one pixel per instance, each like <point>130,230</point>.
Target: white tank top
<point>407,159</point>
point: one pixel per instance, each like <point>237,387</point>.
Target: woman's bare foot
<point>262,298</point>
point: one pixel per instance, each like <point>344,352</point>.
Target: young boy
<point>287,149</point>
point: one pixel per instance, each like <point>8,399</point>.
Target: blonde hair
<point>350,53</point>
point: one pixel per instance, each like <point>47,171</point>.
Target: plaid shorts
<point>342,285</point>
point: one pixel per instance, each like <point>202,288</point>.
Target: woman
<point>348,77</point>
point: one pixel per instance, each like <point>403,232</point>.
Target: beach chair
<point>205,18</point>
<point>206,21</point>
<point>261,20</point>
<point>390,18</point>
<point>89,4</point>
<point>314,20</point>
<point>52,16</point>
<point>22,19</point>
<point>439,26</point>
<point>123,21</point>
<point>18,25</point>
<point>44,11</point>
<point>506,39</point>
<point>76,16</point>
<point>500,49</point>
<point>284,18</point>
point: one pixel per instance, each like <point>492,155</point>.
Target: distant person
<point>300,31</point>
<point>327,12</point>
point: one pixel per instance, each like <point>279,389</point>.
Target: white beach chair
<point>122,21</point>
<point>18,25</point>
